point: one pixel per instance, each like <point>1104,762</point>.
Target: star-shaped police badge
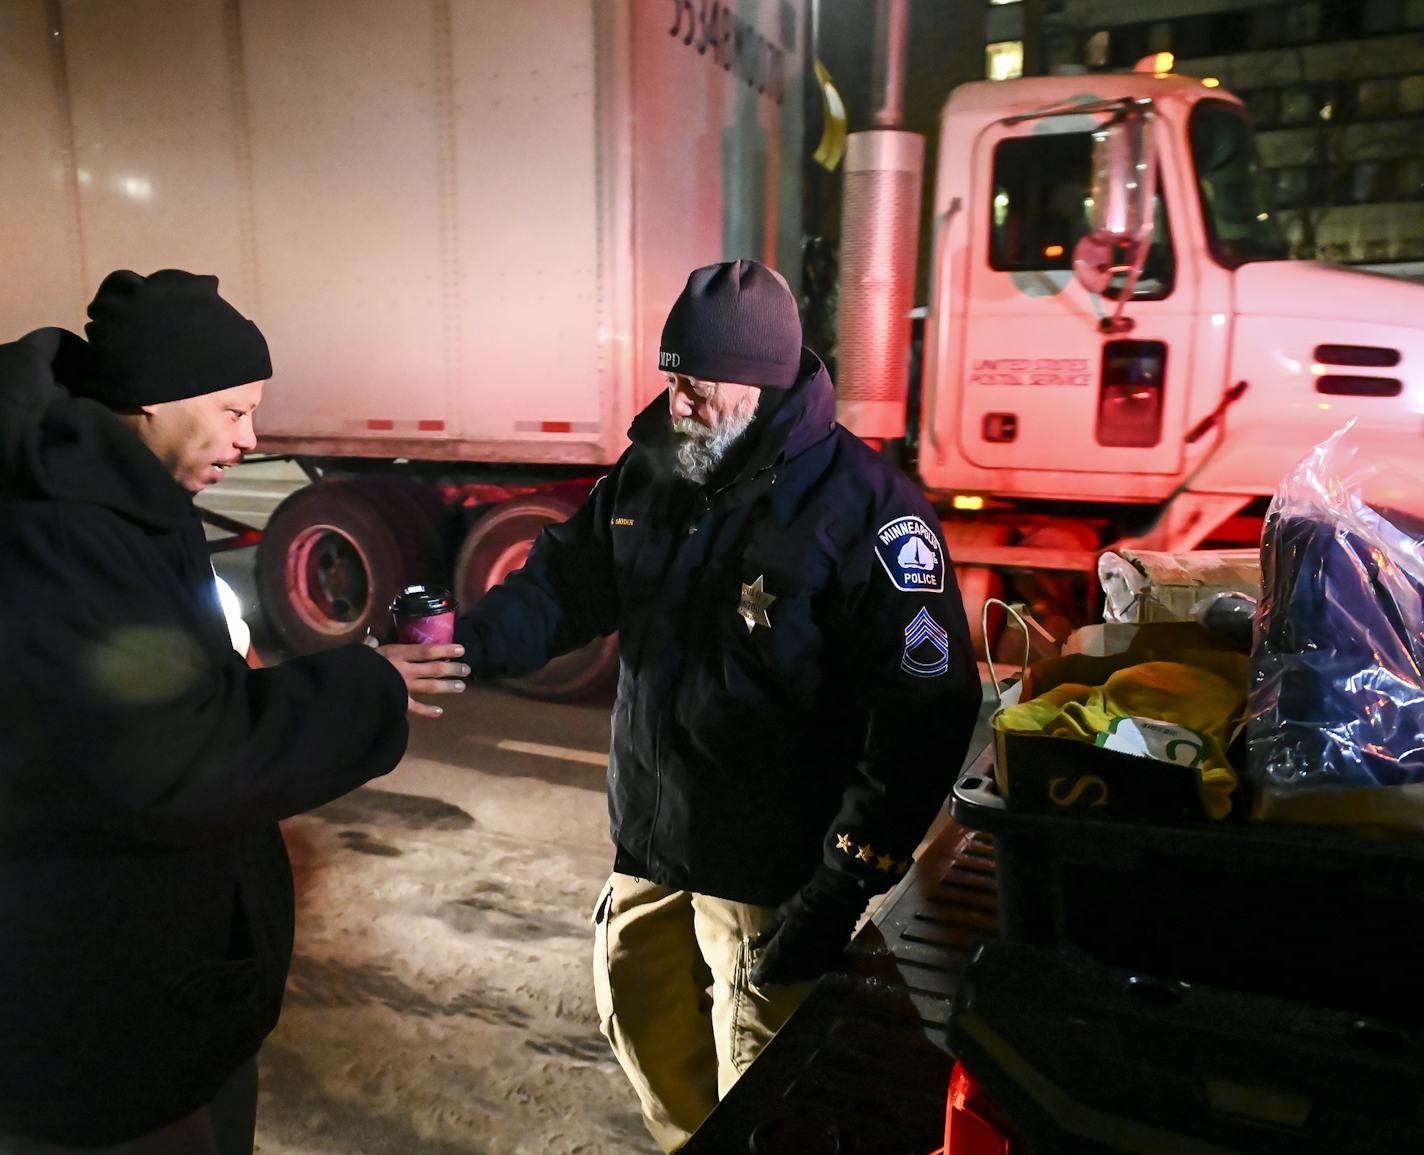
<point>755,602</point>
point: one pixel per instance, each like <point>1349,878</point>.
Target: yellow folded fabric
<point>1180,712</point>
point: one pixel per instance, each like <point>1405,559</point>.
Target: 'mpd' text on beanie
<point>736,321</point>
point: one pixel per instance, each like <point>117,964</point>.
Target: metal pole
<point>892,33</point>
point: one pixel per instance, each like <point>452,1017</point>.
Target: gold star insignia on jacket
<point>755,602</point>
<point>864,852</point>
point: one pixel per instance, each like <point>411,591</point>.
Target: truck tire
<point>494,548</point>
<point>334,554</point>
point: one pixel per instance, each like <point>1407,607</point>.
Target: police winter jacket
<point>145,894</point>
<point>796,685</point>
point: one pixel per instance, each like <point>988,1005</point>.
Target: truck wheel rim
<point>328,580</point>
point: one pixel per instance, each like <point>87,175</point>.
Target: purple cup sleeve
<point>431,630</point>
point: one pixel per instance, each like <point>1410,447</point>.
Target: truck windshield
<point>1239,223</point>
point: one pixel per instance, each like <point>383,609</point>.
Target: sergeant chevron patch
<point>926,647</point>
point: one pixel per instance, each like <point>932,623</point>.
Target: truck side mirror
<point>1124,179</point>
<point>1124,193</point>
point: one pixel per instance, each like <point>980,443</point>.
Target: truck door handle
<point>1229,398</point>
<point>934,326</point>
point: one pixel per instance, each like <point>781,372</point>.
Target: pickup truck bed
<point>1086,1055</point>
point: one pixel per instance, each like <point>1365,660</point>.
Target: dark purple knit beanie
<point>736,321</point>
<point>167,336</point>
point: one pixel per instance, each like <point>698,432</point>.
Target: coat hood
<point>787,423</point>
<point>55,445</point>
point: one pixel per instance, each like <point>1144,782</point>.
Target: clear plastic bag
<point>1337,696</point>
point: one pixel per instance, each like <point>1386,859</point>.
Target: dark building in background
<point>1335,88</point>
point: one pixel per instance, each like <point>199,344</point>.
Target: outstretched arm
<point>562,598</point>
<point>168,737</point>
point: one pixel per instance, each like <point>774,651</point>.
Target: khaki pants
<point>671,974</point>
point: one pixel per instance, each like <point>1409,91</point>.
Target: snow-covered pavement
<point>440,1000</point>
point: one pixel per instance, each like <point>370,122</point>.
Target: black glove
<point>809,930</point>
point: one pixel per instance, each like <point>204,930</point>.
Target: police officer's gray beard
<point>700,450</point>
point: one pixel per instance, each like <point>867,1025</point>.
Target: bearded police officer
<point>796,687</point>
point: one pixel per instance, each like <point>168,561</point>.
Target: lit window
<point>1003,60</point>
<point>1096,49</point>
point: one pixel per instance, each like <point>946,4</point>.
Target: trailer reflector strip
<point>556,426</point>
<point>387,425</point>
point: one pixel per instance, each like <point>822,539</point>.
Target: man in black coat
<point>145,893</point>
<point>796,687</point>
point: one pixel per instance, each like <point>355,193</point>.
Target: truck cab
<point>1164,415</point>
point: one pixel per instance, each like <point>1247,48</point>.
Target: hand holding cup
<point>424,616</point>
<point>423,651</point>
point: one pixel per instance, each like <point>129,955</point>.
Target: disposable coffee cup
<point>424,616</point>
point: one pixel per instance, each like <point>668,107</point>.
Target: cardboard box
<point>1148,586</point>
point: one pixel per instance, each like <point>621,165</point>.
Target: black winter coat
<point>145,894</point>
<point>796,685</point>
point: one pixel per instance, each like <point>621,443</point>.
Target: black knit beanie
<point>165,337</point>
<point>736,321</point>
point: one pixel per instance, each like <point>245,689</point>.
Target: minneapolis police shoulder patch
<point>911,554</point>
